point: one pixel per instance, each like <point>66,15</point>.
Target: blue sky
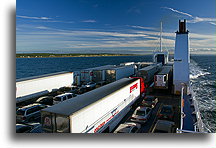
<point>112,26</point>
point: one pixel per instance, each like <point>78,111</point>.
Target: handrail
<point>199,125</point>
<point>187,131</point>
<point>182,113</point>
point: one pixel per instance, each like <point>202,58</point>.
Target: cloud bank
<point>134,38</point>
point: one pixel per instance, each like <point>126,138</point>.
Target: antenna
<point>161,36</point>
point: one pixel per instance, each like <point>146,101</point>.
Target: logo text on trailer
<point>103,123</point>
<point>133,87</point>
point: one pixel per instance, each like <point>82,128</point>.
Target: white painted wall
<point>181,62</point>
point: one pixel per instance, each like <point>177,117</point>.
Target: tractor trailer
<point>97,111</point>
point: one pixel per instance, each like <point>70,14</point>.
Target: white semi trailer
<point>97,111</point>
<point>87,74</point>
<point>29,88</point>
<point>147,73</point>
<point>163,78</point>
<point>119,72</point>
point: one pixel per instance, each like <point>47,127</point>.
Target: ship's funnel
<point>182,27</point>
<point>181,59</point>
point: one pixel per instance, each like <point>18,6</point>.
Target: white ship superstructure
<point>181,60</point>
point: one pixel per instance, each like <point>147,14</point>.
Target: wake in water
<point>196,71</point>
<point>204,89</point>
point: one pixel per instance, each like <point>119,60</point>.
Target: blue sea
<point>202,74</point>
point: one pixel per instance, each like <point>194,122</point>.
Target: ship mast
<point>161,37</point>
<point>160,56</point>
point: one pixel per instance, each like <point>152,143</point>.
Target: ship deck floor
<point>164,98</point>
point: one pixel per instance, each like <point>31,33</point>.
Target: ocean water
<point>202,74</point>
<point>28,67</point>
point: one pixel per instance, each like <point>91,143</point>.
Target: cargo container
<point>119,73</point>
<point>148,72</point>
<point>141,65</point>
<point>127,63</point>
<point>32,87</point>
<point>77,80</point>
<point>97,111</point>
<point>163,78</point>
<point>99,74</point>
<point>87,74</point>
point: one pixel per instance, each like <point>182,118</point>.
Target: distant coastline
<point>52,55</point>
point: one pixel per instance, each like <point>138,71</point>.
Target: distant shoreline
<point>51,55</point>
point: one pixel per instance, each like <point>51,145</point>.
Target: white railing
<point>187,131</point>
<point>182,113</point>
<point>199,126</point>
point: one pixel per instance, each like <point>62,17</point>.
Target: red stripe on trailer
<point>142,84</point>
<point>133,87</point>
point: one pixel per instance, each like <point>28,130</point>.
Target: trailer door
<point>53,123</point>
<point>160,58</point>
<point>62,124</point>
<point>160,80</point>
<point>48,122</point>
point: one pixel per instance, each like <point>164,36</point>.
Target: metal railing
<point>199,126</point>
<point>188,131</point>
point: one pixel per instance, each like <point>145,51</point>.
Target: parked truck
<point>86,75</point>
<point>77,78</point>
<point>163,78</point>
<point>148,72</point>
<point>37,86</point>
<point>98,75</point>
<point>97,111</point>
<point>119,72</point>
<point>141,65</point>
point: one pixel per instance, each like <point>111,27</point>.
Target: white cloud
<point>142,27</point>
<point>42,27</point>
<point>88,21</point>
<point>203,50</point>
<point>33,17</point>
<point>45,19</point>
<point>201,36</point>
<point>57,21</point>
<point>200,19</point>
<point>212,23</point>
<point>93,33</point>
<point>194,19</point>
<point>94,39</point>
<point>180,12</point>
